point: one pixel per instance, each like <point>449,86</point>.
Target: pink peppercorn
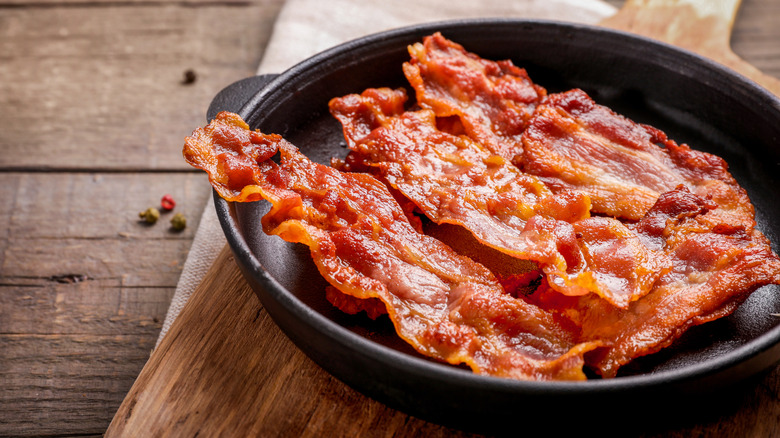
<point>167,203</point>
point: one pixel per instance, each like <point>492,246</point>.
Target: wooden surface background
<point>94,107</point>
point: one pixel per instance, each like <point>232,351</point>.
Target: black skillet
<point>693,100</point>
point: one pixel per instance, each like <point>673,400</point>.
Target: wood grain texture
<point>101,85</point>
<point>65,385</point>
<point>85,205</point>
<point>94,112</point>
<point>84,290</point>
<point>94,108</point>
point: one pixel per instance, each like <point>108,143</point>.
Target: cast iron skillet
<point>692,99</point>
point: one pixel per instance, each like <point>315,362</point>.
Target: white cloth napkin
<point>306,27</point>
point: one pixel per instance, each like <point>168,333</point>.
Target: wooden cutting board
<point>225,369</point>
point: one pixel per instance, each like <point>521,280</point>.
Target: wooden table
<point>95,99</point>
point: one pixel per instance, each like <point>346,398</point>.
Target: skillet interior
<point>693,100</point>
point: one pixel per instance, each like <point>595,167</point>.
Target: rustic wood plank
<point>88,224</point>
<point>84,289</point>
<point>82,205</point>
<point>85,87</point>
<point>89,306</point>
<point>81,86</point>
<point>131,262</point>
<point>60,385</point>
<point>77,259</point>
<point>8,189</point>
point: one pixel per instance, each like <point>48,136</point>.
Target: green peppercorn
<point>150,215</point>
<point>178,222</point>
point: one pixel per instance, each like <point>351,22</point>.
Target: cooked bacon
<point>690,211</point>
<point>445,305</point>
<point>572,143</point>
<point>711,273</point>
<point>714,269</point>
<point>454,180</point>
<point>493,100</point>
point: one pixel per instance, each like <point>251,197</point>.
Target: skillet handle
<point>235,95</point>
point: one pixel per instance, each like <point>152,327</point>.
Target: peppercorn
<point>167,203</point>
<point>178,222</point>
<point>189,77</point>
<point>150,215</point>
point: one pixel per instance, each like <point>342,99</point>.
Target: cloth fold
<point>306,27</point>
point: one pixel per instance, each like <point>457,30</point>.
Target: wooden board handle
<point>701,26</point>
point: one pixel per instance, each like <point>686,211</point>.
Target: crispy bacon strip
<point>715,267</point>
<point>493,100</point>
<point>689,209</point>
<point>713,270</point>
<point>454,180</point>
<point>445,305</point>
<point>572,143</point>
